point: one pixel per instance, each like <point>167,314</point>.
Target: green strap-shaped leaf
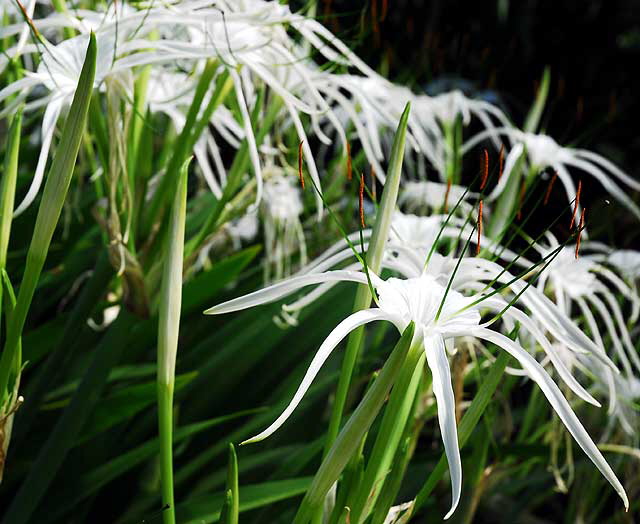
<point>8,185</point>
<point>68,427</point>
<point>232,505</point>
<point>351,435</point>
<point>378,240</point>
<point>55,192</point>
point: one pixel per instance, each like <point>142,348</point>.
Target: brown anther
<point>362,201</point>
<point>485,169</point>
<point>300,173</point>
<point>28,20</point>
<point>580,228</point>
<point>500,162</point>
<point>385,7</point>
<point>446,196</point>
<point>374,196</point>
<point>523,190</point>
<point>349,168</point>
<point>479,227</point>
<point>550,187</point>
<point>576,205</point>
<point>374,20</point>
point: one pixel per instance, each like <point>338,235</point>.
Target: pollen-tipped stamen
<point>300,173</point>
<point>485,169</point>
<point>480,206</point>
<point>580,228</point>
<point>576,205</point>
<point>361,201</point>
<point>550,187</point>
<point>445,206</point>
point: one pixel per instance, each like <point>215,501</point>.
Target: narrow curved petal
<point>248,131</point>
<point>335,337</point>
<point>282,289</point>
<point>49,121</point>
<point>611,187</point>
<point>610,166</point>
<point>559,404</point>
<point>443,391</point>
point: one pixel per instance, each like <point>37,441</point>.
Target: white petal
<point>49,121</point>
<point>335,337</point>
<point>286,287</point>
<point>443,391</point>
<point>559,404</point>
<point>248,131</point>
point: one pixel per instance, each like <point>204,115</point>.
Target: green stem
<point>391,429</point>
<point>168,331</point>
<point>165,425</point>
<point>351,435</point>
<point>374,260</point>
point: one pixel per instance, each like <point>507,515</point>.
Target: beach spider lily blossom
<point>424,197</point>
<point>440,315</point>
<point>589,285</point>
<point>543,152</point>
<point>406,254</point>
<point>284,236</point>
<point>58,72</point>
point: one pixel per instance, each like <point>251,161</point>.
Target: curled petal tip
<point>451,512</point>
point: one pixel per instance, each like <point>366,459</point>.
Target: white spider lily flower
<point>625,412</point>
<point>171,93</point>
<point>58,73</point>
<point>542,152</point>
<point>410,242</point>
<point>627,261</point>
<point>439,315</point>
<point>422,196</point>
<point>281,210</point>
<point>588,286</point>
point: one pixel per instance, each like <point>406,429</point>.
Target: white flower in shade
<point>588,286</point>
<point>58,72</point>
<point>627,261</point>
<point>420,197</point>
<point>543,152</point>
<point>447,107</point>
<point>439,314</point>
<point>283,234</point>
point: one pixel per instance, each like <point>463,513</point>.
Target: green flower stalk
<point>168,330</point>
<point>374,261</point>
